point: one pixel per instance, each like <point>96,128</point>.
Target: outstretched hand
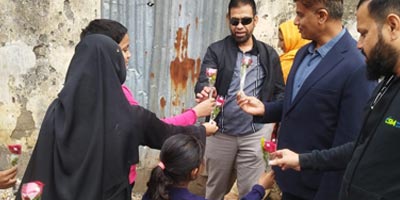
<point>267,179</point>
<point>250,104</point>
<point>285,159</point>
<point>211,128</point>
<point>204,108</point>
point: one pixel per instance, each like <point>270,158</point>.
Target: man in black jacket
<point>237,145</point>
<point>372,162</point>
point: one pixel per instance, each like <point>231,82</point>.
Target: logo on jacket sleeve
<point>392,122</point>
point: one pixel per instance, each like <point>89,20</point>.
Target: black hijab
<point>90,134</point>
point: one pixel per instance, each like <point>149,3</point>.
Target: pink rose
<point>270,147</point>
<point>15,149</point>
<point>246,61</point>
<point>32,190</point>
<point>211,72</point>
<point>267,148</point>
<point>217,109</point>
<point>220,101</point>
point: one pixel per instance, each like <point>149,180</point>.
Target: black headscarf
<point>90,134</point>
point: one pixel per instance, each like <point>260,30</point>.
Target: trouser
<point>227,154</point>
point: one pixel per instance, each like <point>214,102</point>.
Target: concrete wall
<point>37,40</point>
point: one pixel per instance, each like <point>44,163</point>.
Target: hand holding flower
<point>7,178</point>
<point>205,94</point>
<point>204,108</point>
<point>211,128</point>
<point>267,179</point>
<point>217,109</point>
<point>286,159</point>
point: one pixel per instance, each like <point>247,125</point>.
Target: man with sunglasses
<point>327,89</point>
<point>236,147</point>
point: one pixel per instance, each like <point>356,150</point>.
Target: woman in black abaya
<point>90,134</point>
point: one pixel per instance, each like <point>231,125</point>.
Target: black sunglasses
<point>243,21</point>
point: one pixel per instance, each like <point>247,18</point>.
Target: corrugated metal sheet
<point>168,41</point>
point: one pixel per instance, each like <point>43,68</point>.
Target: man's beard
<point>382,60</point>
<point>241,40</point>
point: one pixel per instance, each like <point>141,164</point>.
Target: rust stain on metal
<point>163,102</point>
<point>152,75</point>
<point>197,23</point>
<point>183,67</point>
<point>197,71</point>
<point>176,101</point>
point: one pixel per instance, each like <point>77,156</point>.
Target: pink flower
<point>267,148</point>
<point>15,149</point>
<point>32,190</point>
<point>211,72</point>
<point>246,61</point>
<point>218,104</point>
<point>270,147</point>
<point>220,101</point>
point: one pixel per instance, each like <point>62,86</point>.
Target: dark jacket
<point>223,54</point>
<point>332,159</point>
<point>373,172</point>
<point>325,113</point>
<point>372,166</point>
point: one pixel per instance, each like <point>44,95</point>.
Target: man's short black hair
<point>380,9</point>
<point>238,3</point>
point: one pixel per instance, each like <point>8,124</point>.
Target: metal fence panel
<point>168,41</point>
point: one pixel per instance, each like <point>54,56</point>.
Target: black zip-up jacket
<point>373,161</point>
<point>223,54</point>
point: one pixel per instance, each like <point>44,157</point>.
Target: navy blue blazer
<point>326,112</point>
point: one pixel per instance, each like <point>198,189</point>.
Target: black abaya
<point>90,134</point>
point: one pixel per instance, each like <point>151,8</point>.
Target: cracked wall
<point>37,40</point>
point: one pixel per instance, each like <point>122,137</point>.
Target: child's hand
<point>204,108</point>
<point>211,128</point>
<point>267,179</point>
